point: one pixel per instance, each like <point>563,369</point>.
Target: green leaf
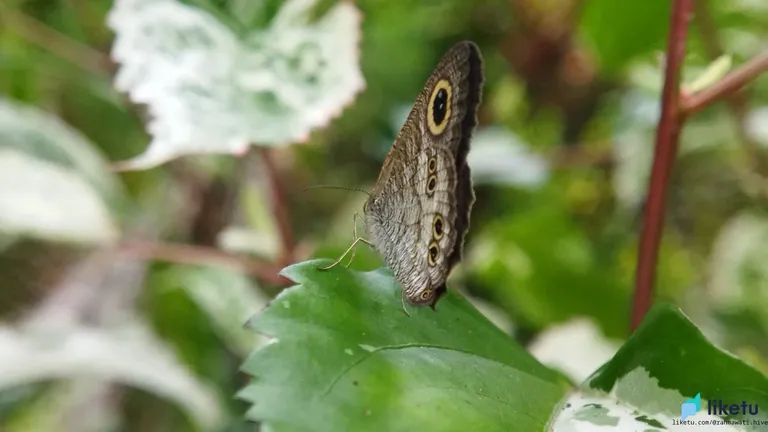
<point>713,73</point>
<point>226,297</point>
<point>620,31</point>
<point>666,361</point>
<point>672,349</point>
<point>347,356</point>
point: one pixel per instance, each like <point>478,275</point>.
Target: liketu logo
<point>716,407</point>
<point>690,407</point>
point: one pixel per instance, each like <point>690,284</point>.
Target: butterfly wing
<point>418,214</point>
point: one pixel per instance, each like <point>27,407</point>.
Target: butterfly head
<point>374,205</point>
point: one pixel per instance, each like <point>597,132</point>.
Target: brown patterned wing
<point>418,213</point>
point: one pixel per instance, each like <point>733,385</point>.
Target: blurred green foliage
<point>576,82</point>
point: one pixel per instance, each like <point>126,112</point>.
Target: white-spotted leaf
<point>129,354</point>
<point>576,347</point>
<point>39,199</point>
<point>665,362</point>
<point>210,91</point>
<point>53,183</point>
<point>498,156</point>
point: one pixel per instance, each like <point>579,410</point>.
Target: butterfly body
<point>418,213</point>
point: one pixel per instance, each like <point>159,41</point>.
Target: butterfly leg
<point>402,300</point>
<point>350,248</point>
<point>365,227</point>
<point>354,236</point>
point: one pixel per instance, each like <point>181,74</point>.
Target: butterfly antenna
<point>337,187</point>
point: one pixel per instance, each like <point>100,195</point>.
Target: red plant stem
<point>199,255</point>
<point>279,206</point>
<point>667,137</point>
<point>729,84</point>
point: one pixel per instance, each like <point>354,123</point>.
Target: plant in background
<point>333,350</point>
<point>211,91</point>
